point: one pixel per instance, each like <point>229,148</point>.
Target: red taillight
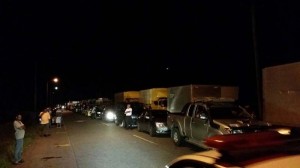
<point>246,140</point>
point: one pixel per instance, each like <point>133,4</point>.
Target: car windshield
<point>228,112</point>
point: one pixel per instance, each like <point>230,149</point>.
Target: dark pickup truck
<point>202,119</point>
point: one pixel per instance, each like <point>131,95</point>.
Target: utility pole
<point>257,62</point>
<point>35,88</point>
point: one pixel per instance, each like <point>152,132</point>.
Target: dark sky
<point>98,48</point>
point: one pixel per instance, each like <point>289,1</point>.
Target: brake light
<point>246,140</point>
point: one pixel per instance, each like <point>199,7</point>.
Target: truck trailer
<point>178,96</point>
<point>281,94</point>
<point>127,96</point>
<point>154,98</point>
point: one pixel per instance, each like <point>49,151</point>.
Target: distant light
<point>167,68</point>
<point>55,80</point>
<point>56,88</point>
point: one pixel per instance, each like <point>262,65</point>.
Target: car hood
<point>164,120</point>
<point>240,123</point>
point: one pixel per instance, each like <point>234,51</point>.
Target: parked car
<point>153,121</point>
<point>77,109</point>
<point>97,112</point>
<point>87,111</point>
<point>264,149</point>
<point>137,109</point>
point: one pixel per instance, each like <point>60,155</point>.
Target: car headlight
<point>98,112</point>
<point>110,115</point>
<point>160,124</point>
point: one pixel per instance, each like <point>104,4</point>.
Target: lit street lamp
<point>54,80</point>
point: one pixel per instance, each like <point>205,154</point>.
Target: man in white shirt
<point>128,120</point>
<point>19,135</point>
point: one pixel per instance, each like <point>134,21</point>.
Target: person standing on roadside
<point>45,121</point>
<point>128,120</point>
<point>19,135</point>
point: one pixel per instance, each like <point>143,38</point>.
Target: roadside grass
<point>7,142</point>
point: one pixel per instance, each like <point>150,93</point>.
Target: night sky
<point>98,48</point>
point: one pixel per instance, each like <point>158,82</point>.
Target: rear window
<point>228,113</point>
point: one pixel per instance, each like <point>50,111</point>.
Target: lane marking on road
<point>63,145</point>
<point>80,121</point>
<point>145,139</point>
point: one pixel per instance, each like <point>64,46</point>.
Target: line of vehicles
<point>210,117</point>
<point>188,113</point>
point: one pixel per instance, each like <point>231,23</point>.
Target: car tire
<point>151,131</point>
<point>139,127</point>
<point>122,124</point>
<point>176,137</point>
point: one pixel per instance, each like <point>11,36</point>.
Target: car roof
<point>209,157</point>
<point>213,157</point>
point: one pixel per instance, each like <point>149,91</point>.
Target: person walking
<point>19,135</point>
<point>45,121</point>
<point>128,120</point>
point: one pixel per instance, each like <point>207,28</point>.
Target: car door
<point>141,120</point>
<point>147,120</point>
<point>188,119</point>
<point>199,124</point>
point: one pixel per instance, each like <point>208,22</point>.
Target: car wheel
<point>116,122</point>
<point>122,124</point>
<point>139,127</point>
<point>151,131</point>
<point>176,137</point>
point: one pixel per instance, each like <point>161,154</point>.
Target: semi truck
<point>154,98</point>
<point>178,96</point>
<point>281,94</point>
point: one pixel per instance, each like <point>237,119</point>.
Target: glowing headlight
<point>98,112</point>
<point>284,131</point>
<point>237,131</point>
<point>110,115</point>
<point>160,124</point>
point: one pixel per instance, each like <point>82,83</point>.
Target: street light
<point>54,80</point>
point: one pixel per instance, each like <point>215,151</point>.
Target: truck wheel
<point>177,138</point>
<point>151,131</point>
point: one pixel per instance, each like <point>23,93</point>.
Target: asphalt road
<point>99,144</point>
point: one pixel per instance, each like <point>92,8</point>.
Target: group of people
<point>19,127</point>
